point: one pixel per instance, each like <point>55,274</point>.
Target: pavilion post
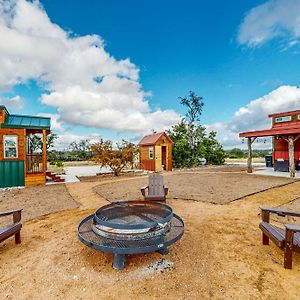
<point>291,156</point>
<point>249,161</point>
<point>44,154</point>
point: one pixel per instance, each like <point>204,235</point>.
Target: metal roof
<point>27,122</point>
<point>153,138</point>
<point>283,130</point>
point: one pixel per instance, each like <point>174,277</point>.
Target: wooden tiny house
<point>156,152</point>
<point>20,163</point>
<point>286,141</point>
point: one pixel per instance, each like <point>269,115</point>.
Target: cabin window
<point>10,146</point>
<point>283,119</point>
<point>151,152</point>
<point>298,117</point>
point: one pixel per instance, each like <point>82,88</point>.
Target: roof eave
<point>284,113</point>
<point>24,127</point>
<point>270,132</point>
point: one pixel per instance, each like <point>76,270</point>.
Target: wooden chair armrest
<point>10,212</point>
<point>280,212</point>
<point>143,190</point>
<point>291,227</point>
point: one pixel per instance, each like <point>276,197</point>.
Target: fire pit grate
<point>137,227</point>
<point>133,215</point>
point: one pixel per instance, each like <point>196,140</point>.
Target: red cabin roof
<point>153,138</point>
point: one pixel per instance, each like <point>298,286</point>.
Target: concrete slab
<point>85,170</point>
<point>68,179</point>
<point>254,164</point>
<point>270,172</point>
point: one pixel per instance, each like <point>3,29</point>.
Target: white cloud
<point>56,124</point>
<point>275,18</point>
<point>85,84</point>
<point>254,116</point>
<point>15,103</point>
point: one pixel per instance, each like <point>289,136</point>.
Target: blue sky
<point>242,57</point>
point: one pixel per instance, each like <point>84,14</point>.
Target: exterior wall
<point>21,143</point>
<point>35,179</point>
<point>11,173</point>
<point>295,120</point>
<point>2,116</point>
<point>145,162</point>
<point>12,169</point>
<point>281,149</point>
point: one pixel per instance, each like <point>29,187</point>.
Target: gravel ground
<point>219,257</point>
<point>213,187</point>
<point>36,201</point>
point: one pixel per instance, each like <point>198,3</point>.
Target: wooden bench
<point>13,229</point>
<point>287,239</point>
<point>156,190</point>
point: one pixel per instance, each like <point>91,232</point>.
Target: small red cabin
<point>286,141</point>
<point>156,152</point>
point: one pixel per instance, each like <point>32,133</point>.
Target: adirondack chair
<point>287,239</point>
<point>13,229</point>
<point>156,190</point>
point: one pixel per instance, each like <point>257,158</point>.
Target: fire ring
<point>131,227</point>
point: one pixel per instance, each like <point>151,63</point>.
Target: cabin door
<point>164,157</point>
<point>158,161</point>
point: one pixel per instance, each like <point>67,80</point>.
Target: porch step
<point>55,177</point>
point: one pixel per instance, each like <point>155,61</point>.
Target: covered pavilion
<point>285,132</point>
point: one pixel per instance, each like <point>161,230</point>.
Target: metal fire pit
<point>131,227</point>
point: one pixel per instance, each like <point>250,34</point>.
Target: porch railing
<point>34,163</point>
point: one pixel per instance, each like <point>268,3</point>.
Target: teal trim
<point>12,173</point>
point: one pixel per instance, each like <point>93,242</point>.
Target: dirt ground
<point>213,187</point>
<point>219,257</point>
<point>36,201</point>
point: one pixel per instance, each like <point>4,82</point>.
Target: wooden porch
<point>36,161</point>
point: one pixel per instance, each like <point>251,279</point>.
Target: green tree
<point>191,141</point>
<point>36,141</point>
<point>81,150</point>
<point>211,149</point>
<point>236,153</point>
<point>194,104</point>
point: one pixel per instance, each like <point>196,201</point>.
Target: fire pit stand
<point>132,227</point>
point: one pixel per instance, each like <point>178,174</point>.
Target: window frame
<point>5,147</point>
<point>151,152</point>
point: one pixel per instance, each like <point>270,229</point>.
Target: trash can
<point>269,163</point>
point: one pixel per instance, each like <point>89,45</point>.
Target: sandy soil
<point>213,187</point>
<point>219,257</point>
